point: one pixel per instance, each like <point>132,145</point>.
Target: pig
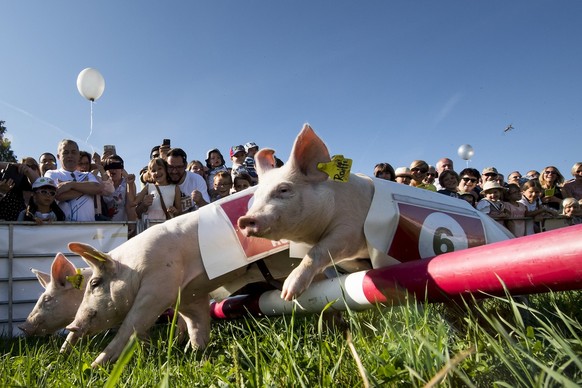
<point>298,202</point>
<point>135,282</point>
<point>57,305</point>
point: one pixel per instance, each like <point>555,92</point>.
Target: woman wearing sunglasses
<point>469,178</point>
<point>42,207</point>
<point>551,180</point>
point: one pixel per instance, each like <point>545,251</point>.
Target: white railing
<point>24,245</point>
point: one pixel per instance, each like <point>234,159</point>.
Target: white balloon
<point>90,84</point>
<point>466,152</point>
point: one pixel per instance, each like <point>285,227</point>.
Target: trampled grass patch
<point>533,342</point>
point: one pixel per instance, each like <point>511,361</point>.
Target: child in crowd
<point>42,207</point>
<point>215,163</point>
<point>197,167</point>
<point>242,181</point>
<point>492,203</point>
<point>516,209</point>
<point>471,197</point>
<point>531,191</point>
<point>251,149</point>
<point>569,209</point>
<point>166,196</point>
<point>237,155</point>
<point>449,181</point>
<point>222,185</point>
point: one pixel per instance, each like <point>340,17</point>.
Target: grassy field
<point>497,342</point>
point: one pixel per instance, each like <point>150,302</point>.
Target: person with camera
<point>15,181</point>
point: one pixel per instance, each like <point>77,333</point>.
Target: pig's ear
<point>92,256</point>
<point>264,160</point>
<point>43,278</point>
<point>308,151</point>
<point>60,269</point>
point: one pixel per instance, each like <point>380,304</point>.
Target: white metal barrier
<point>24,245</point>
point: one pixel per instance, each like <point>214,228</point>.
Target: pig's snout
<point>249,225</point>
<point>72,327</point>
<point>27,329</point>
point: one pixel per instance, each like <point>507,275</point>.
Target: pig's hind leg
<point>142,315</point>
<point>196,313</point>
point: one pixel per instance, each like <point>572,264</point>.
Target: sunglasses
<point>52,193</point>
<point>472,180</point>
<point>550,172</point>
<point>490,174</point>
<point>421,170</point>
<point>432,174</point>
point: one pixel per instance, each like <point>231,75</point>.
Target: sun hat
<point>491,185</point>
<point>402,171</point>
<point>43,182</point>
<point>489,170</point>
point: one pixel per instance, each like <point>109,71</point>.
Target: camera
<point>166,142</point>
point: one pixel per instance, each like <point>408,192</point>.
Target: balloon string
<point>91,130</point>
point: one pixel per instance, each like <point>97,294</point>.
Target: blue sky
<point>379,81</point>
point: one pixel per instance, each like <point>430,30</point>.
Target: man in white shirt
<point>75,189</point>
<point>193,187</point>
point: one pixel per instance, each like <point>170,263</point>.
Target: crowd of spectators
<point>521,204</point>
<point>77,186</point>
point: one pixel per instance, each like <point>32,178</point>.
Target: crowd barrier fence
<point>24,245</point>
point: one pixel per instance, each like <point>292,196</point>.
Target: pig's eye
<point>283,190</point>
<point>95,282</point>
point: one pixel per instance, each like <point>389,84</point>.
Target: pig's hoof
<point>296,283</point>
<point>102,359</point>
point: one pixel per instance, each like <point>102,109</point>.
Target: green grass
<point>497,342</point>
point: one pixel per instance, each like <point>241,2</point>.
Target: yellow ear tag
<point>96,257</point>
<point>338,169</point>
<point>76,280</point>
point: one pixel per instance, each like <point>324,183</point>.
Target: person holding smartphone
<point>15,185</point>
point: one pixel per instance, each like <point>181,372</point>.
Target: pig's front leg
<point>142,315</point>
<point>196,313</point>
<point>316,260</point>
<point>71,340</point>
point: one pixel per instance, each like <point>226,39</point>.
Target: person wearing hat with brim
<point>403,175</point>
<point>492,202</point>
<point>42,207</point>
<point>488,174</point>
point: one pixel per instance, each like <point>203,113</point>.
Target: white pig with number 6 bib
<point>348,216</point>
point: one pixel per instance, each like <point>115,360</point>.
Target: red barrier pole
<point>526,265</point>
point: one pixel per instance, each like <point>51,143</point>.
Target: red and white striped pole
<point>526,265</point>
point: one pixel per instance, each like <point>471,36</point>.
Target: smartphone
<point>110,149</point>
<point>166,142</point>
<point>11,172</point>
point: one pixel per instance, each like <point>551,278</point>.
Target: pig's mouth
<point>30,330</point>
<point>80,329</point>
